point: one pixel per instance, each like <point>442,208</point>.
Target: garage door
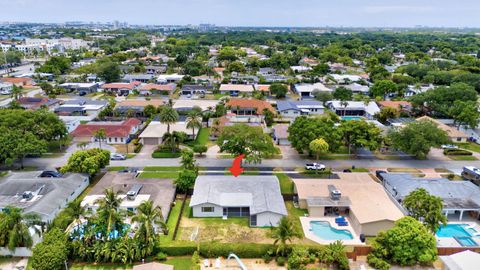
<point>150,141</point>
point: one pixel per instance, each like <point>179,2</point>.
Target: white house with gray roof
<point>43,196</point>
<point>256,197</point>
<point>457,197</point>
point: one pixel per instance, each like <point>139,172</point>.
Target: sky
<point>300,13</point>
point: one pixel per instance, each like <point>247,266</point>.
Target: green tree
<point>187,160</point>
<point>318,146</point>
<point>108,212</point>
<point>52,252</point>
<point>16,93</point>
<point>465,113</point>
<point>14,228</point>
<point>268,117</point>
<point>200,149</point>
<point>100,135</point>
<point>405,244</point>
<point>417,137</point>
<point>324,97</point>
<point>382,88</point>
<point>87,161</point>
<point>168,116</point>
<point>278,89</point>
<point>150,221</point>
<point>149,111</point>
<point>194,120</point>
<point>250,141</point>
<point>426,208</point>
<point>185,180</point>
<point>298,258</point>
<point>359,133</point>
<point>342,93</point>
<point>387,113</point>
<point>108,71</point>
<point>236,67</point>
<point>334,254</point>
<point>304,130</point>
<point>284,233</point>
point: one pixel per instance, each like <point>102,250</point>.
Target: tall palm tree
<point>168,116</point>
<point>284,233</point>
<point>108,211</point>
<point>14,228</point>
<point>149,219</point>
<point>194,120</point>
<point>100,135</point>
<point>344,104</point>
<point>76,210</point>
<point>16,93</point>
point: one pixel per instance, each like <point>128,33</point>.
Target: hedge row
<point>215,249</point>
<point>157,154</point>
<point>457,152</point>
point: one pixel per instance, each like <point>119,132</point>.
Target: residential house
<point>464,260</point>
<point>19,82</point>
<point>252,107</point>
<point>300,69</point>
<point>143,78</point>
<point>292,109</point>
<point>236,89</point>
<point>157,89</point>
<point>34,103</point>
<point>169,78</point>
<point>156,69</point>
<point>6,88</point>
<point>115,132</point>
<point>401,106</point>
<point>262,88</point>
<point>192,89</point>
<point>458,197</point>
<point>454,134</point>
<point>236,78</point>
<point>364,202</point>
<point>80,107</point>
<point>354,108</point>
<point>266,71</point>
<point>280,134</point>
<point>153,134</point>
<point>417,89</point>
<point>80,87</point>
<point>189,104</point>
<point>308,62</point>
<point>357,88</point>
<point>136,106</point>
<point>43,196</point>
<point>307,90</point>
<point>344,78</point>
<point>337,67</point>
<point>257,198</point>
<point>133,192</point>
<point>121,88</point>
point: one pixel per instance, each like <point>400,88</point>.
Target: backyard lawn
<point>171,222</point>
<point>158,175</point>
<point>202,138</point>
<point>180,263</point>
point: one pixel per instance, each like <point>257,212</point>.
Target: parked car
<point>116,156</point>
<point>449,146</point>
<point>53,174</point>
<point>378,174</point>
<point>82,93</point>
<point>315,166</point>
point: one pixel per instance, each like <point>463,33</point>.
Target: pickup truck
<point>315,166</point>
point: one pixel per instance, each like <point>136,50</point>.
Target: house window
<point>459,139</point>
<point>110,139</point>
<point>253,220</point>
<point>208,209</point>
<point>121,139</point>
<point>116,139</point>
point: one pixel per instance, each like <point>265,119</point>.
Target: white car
<point>449,146</point>
<point>115,156</point>
<point>315,166</point>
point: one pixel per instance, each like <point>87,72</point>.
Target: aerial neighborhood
<point>198,147</point>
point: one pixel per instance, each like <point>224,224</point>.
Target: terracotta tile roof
<point>140,103</point>
<point>16,80</point>
<point>121,85</point>
<point>260,105</point>
<point>451,131</point>
<point>158,87</point>
<point>394,104</point>
<point>262,87</point>
<point>111,130</point>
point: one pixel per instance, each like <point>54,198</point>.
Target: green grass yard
<point>469,146</point>
<point>158,175</point>
<point>115,168</point>
<point>171,222</point>
<point>462,157</point>
<point>286,184</point>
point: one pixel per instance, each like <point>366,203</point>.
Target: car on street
<point>449,146</point>
<point>115,156</point>
<point>314,166</point>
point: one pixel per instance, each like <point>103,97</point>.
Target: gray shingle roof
<point>260,193</point>
<point>455,194</point>
<point>294,105</point>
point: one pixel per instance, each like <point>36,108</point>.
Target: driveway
<point>14,264</point>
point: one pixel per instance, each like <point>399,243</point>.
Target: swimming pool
<point>455,230</point>
<point>348,118</point>
<point>466,241</point>
<point>323,230</point>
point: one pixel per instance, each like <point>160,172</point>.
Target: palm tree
<point>344,104</point>
<point>149,218</point>
<point>14,228</point>
<point>76,210</point>
<point>108,210</point>
<point>168,116</point>
<point>194,120</point>
<point>285,232</point>
<point>100,135</point>
<point>16,93</point>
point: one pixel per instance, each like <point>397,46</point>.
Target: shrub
<point>182,249</point>
<point>377,263</point>
<point>138,148</point>
<point>161,256</point>
<point>280,261</point>
<point>267,258</point>
<point>157,154</point>
<point>456,152</point>
<point>242,250</point>
<point>200,149</point>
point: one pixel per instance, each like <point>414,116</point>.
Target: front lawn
<point>115,168</point>
<point>466,158</point>
<point>180,263</point>
<point>166,155</point>
<point>286,184</point>
<point>161,175</point>
<point>469,146</point>
<point>162,168</point>
<point>203,138</point>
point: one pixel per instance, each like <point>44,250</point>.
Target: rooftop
<point>368,200</point>
<point>298,105</point>
<point>260,193</point>
<point>260,105</point>
<point>451,131</point>
<point>112,129</point>
<point>237,87</point>
<point>157,129</point>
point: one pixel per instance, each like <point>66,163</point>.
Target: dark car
<point>54,174</point>
<point>82,93</point>
<point>379,173</point>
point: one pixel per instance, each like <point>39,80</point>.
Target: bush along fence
<point>175,231</point>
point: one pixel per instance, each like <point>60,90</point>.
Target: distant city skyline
<point>283,13</point>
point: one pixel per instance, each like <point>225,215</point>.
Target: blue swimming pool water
<point>348,118</point>
<point>466,241</point>
<point>455,230</point>
<point>323,230</point>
